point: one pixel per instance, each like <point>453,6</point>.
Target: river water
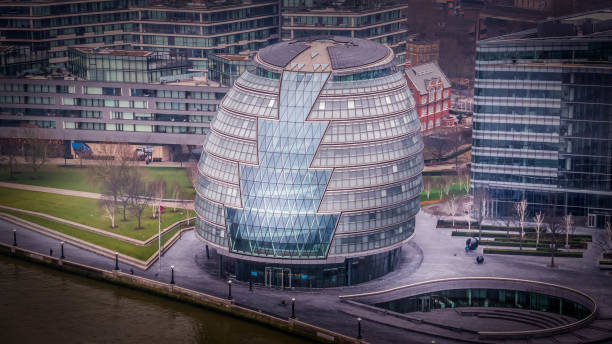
<point>38,304</point>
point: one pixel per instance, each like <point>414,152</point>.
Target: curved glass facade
<point>293,176</point>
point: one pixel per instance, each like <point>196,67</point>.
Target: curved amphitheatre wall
<point>573,295</point>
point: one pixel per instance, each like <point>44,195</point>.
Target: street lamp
<point>293,308</point>
<point>116,260</point>
<point>359,328</point>
<point>171,274</point>
<point>62,246</point>
<point>229,285</point>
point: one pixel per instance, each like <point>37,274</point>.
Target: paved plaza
<point>432,254</point>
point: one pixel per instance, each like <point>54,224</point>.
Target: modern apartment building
<point>311,174</point>
<point>194,30</point>
<point>112,96</point>
<point>543,118</point>
<point>379,20</point>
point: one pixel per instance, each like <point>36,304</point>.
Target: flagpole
<point>159,235</point>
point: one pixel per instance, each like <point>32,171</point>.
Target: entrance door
<point>592,220</point>
<point>277,277</point>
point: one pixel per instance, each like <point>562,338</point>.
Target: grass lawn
<point>80,178</point>
<point>138,252</point>
<point>456,190</point>
<point>85,211</point>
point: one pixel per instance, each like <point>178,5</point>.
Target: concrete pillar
<point>349,269</point>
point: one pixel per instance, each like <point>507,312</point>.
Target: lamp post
<point>116,260</point>
<point>229,285</point>
<point>62,247</point>
<point>171,274</point>
<point>359,328</point>
<point>14,237</point>
<point>293,308</point>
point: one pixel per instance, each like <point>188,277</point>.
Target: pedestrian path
<point>432,254</point>
<point>76,193</point>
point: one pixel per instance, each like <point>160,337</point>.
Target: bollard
<point>51,252</point>
<point>117,261</point>
<point>359,329</point>
<point>172,274</point>
<point>250,283</point>
<point>293,308</point>
<point>62,246</point>
<point>229,284</point>
<point>14,237</point>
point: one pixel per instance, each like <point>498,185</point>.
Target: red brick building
<point>432,93</point>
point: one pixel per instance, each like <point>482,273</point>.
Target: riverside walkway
<point>432,254</point>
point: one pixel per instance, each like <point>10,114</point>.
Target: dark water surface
<point>38,304</point>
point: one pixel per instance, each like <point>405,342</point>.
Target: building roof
<point>582,25</point>
<point>324,54</point>
<point>421,75</point>
<point>115,52</point>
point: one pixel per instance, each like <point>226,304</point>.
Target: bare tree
<point>446,186</point>
<point>192,173</point>
<point>609,230</point>
<point>131,177</point>
<point>158,190</point>
<point>521,211</point>
<point>10,149</point>
<point>568,224</point>
<point>427,188</point>
<point>480,206</point>
<point>464,178</point>
<point>555,228</point>
<point>36,148</point>
<point>176,193</point>
<point>108,205</point>
<point>467,206</point>
<point>114,174</point>
<point>451,206</point>
<point>539,220</point>
<point>140,197</point>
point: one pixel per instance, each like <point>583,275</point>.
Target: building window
<point>438,107</point>
<point>439,93</point>
<point>445,105</point>
<point>430,124</point>
<point>432,94</point>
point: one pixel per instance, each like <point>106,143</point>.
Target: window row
<point>226,194</point>
<point>232,149</point>
<point>371,153</point>
<point>371,198</point>
<point>378,129</point>
<point>514,127</point>
<point>385,217</point>
<point>220,169</point>
<point>376,174</point>
<point>372,241</point>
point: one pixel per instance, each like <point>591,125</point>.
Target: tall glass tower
<point>312,172</point>
<point>543,118</point>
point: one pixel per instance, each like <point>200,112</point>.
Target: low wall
<point>175,292</point>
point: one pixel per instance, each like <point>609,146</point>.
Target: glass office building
<point>311,174</point>
<point>543,118</point>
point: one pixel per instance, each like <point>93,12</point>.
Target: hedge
<point>543,237</point>
<point>605,262</point>
<point>578,245</point>
<point>532,253</point>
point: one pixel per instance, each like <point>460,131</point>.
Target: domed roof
<point>325,54</point>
